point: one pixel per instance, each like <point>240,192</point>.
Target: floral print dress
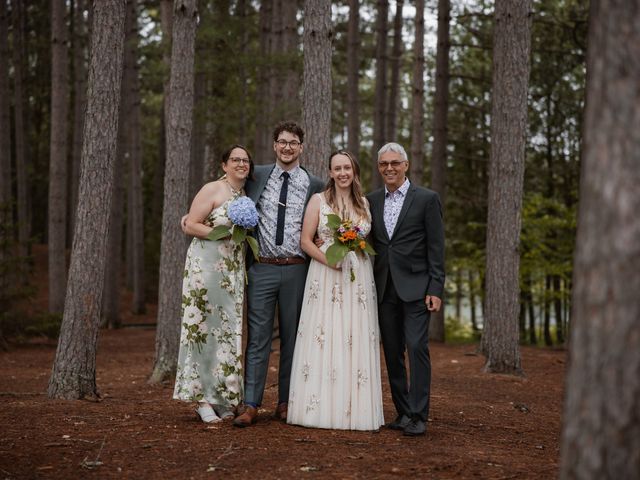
<point>335,376</point>
<point>210,358</point>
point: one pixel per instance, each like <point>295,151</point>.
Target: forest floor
<point>481,426</point>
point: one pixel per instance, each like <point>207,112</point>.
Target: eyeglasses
<point>392,164</point>
<point>238,160</point>
<point>294,144</point>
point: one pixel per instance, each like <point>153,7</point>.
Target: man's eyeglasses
<point>238,160</point>
<point>392,164</point>
<point>294,144</point>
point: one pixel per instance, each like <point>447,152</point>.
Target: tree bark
<point>394,64</point>
<point>316,112</point>
<point>601,431</point>
<point>417,99</point>
<point>22,179</point>
<point>379,117</point>
<point>79,104</point>
<point>6,217</point>
<point>74,372</point>
<point>512,43</point>
<point>353,75</point>
<point>262,140</point>
<point>176,185</point>
<point>439,158</point>
<point>58,156</point>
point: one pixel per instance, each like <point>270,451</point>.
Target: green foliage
<point>459,332</point>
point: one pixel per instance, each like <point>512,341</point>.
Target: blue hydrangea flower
<point>242,212</point>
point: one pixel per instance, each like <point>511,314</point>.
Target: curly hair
<point>288,126</point>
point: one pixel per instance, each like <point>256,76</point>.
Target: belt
<point>282,260</point>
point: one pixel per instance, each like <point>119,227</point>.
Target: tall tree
<point>176,184</point>
<point>58,156</point>
<point>316,112</point>
<point>379,117</point>
<point>417,98</point>
<point>511,46</point>
<point>5,130</point>
<point>439,156</point>
<point>601,432</point>
<point>74,368</point>
<point>22,180</point>
<point>135,206</point>
<point>395,64</point>
<point>263,101</point>
<point>79,104</point>
<point>353,75</point>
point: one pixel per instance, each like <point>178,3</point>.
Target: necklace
<point>234,190</point>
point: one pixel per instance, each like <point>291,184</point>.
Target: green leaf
<point>238,234</point>
<point>333,221</point>
<point>336,253</point>
<point>369,249</point>
<point>253,244</point>
<point>221,231</point>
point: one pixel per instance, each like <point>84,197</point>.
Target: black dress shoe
<point>400,423</point>
<point>415,428</point>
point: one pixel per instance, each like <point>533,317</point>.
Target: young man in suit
<point>281,192</point>
<point>408,236</point>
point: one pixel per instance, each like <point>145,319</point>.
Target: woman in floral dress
<point>209,364</point>
<point>335,376</point>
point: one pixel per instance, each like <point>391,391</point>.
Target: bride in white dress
<point>335,377</point>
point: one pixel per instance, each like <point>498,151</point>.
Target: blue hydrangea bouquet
<point>244,217</point>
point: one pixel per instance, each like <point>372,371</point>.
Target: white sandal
<point>206,413</point>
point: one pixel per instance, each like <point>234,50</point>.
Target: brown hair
<point>288,126</point>
<point>227,154</point>
<point>356,189</point>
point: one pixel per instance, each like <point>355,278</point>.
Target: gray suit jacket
<point>415,252</point>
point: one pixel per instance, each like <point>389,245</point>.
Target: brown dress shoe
<point>247,418</point>
<point>281,411</point>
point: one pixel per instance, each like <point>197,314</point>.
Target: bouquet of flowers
<point>244,217</point>
<point>349,237</point>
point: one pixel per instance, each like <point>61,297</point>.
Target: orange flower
<point>350,235</point>
<point>362,244</point>
<point>342,239</point>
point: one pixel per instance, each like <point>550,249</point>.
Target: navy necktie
<point>282,207</point>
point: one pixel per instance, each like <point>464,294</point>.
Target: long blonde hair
<point>357,199</point>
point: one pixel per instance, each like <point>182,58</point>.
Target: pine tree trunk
<point>176,186</point>
<point>546,329</point>
<point>601,432</point>
<point>290,73</point>
<point>472,302</point>
<point>416,161</point>
<point>5,133</point>
<point>316,112</point>
<point>557,308</point>
<point>393,104</point>
<point>262,142</point>
<point>22,179</point>
<point>74,368</point>
<point>135,204</point>
<point>511,46</point>
<point>58,157</point>
<point>133,159</point>
<point>241,12</point>
<point>6,197</point>
<point>79,105</point>
<point>379,117</point>
<point>439,159</point>
<point>353,75</point>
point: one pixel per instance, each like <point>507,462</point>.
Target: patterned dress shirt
<point>393,202</point>
<point>267,207</point>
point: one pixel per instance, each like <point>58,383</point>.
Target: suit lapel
<point>411,193</point>
<point>377,213</point>
<point>259,184</point>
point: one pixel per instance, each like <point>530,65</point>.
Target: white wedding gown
<point>335,377</point>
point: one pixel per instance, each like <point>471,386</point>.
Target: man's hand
<point>433,303</point>
<point>183,224</point>
<point>318,241</point>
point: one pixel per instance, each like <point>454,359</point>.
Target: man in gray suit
<point>281,192</point>
<point>408,236</point>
